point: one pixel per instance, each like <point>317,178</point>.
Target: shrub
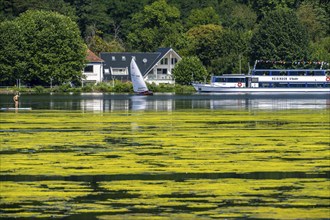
<point>39,89</point>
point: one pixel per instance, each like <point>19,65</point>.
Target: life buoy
<point>239,84</point>
<point>328,79</point>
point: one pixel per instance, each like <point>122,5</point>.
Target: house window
<point>89,69</point>
<point>113,58</point>
<point>164,61</point>
<point>174,61</point>
<point>123,58</point>
<point>161,71</point>
<point>119,71</point>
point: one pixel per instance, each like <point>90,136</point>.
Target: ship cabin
<point>276,78</point>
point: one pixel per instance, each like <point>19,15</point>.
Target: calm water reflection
<point>168,102</point>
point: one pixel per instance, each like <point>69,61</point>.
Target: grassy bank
<point>116,87</point>
<point>165,165</point>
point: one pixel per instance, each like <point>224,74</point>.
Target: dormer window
<point>123,58</point>
<point>113,58</point>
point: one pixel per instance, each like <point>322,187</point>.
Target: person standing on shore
<point>15,98</point>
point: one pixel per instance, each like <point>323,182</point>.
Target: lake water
<point>168,102</point>
<point>199,156</point>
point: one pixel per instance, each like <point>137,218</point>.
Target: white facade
<point>93,73</point>
<point>162,70</point>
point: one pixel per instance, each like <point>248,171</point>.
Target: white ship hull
<point>219,89</point>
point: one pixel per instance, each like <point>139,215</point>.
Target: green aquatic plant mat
<point>165,165</point>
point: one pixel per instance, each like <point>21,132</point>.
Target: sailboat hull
<point>146,93</point>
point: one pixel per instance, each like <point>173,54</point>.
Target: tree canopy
<point>189,69</point>
<point>40,46</point>
<point>222,34</point>
<point>280,36</point>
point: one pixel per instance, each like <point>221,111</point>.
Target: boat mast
<point>255,64</point>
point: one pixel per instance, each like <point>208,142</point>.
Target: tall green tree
<point>232,53</point>
<point>189,69</point>
<point>204,42</point>
<point>202,17</point>
<point>187,6</point>
<point>10,9</point>
<point>315,18</point>
<point>121,12</point>
<point>237,16</point>
<point>263,7</point>
<point>12,57</point>
<point>151,28</point>
<point>50,47</point>
<point>280,36</point>
<point>320,51</point>
<point>92,13</point>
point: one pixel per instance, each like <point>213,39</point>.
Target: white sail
<point>136,77</point>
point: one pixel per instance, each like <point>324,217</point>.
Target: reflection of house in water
<point>146,103</point>
<point>92,105</point>
<point>105,105</point>
<point>120,104</point>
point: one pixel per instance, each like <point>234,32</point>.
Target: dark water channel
<point>168,102</point>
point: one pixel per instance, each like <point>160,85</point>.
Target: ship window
<point>254,80</point>
<point>315,85</point>
<point>281,85</point>
<point>293,73</point>
<point>309,73</point>
<point>297,85</point>
<point>265,85</point>
<point>260,73</point>
<point>235,80</point>
<point>319,73</point>
<point>276,73</point>
<point>217,79</point>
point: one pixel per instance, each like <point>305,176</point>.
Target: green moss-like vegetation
<point>163,165</point>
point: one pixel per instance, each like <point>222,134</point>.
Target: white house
<point>156,67</point>
<point>93,71</point>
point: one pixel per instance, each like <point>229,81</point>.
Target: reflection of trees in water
<point>164,102</point>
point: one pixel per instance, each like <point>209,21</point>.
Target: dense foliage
<point>226,35</point>
<point>280,36</point>
<point>189,69</point>
<point>39,47</point>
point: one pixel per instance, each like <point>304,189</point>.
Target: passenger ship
<point>270,80</point>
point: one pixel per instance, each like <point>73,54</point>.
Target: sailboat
<point>139,86</point>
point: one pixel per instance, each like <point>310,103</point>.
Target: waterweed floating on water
<point>204,164</point>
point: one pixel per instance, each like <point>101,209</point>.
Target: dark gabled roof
<point>145,61</point>
<point>91,57</point>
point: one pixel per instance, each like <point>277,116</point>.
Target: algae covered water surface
<point>200,164</point>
